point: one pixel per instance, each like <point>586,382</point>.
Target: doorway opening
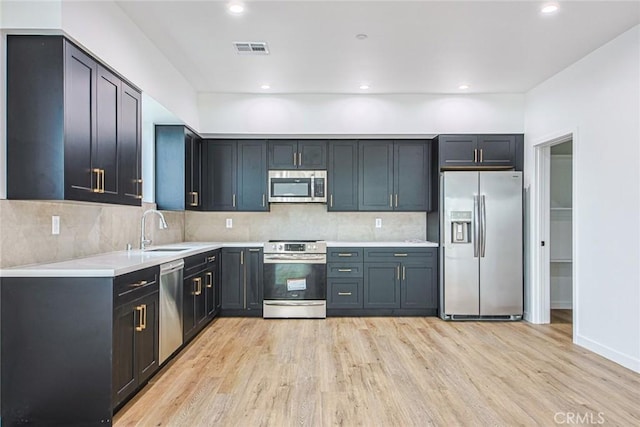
<point>553,284</point>
<point>561,233</point>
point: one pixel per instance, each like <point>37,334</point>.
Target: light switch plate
<point>229,223</point>
<point>55,224</point>
<point>378,222</point>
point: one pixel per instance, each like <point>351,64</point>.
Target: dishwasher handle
<point>170,267</point>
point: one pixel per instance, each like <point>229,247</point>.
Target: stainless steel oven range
<point>295,279</point>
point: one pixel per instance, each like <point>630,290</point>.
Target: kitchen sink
<point>176,249</point>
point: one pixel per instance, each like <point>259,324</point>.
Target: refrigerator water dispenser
<point>461,226</point>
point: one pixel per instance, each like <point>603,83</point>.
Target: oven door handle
<point>292,304</point>
<point>280,259</point>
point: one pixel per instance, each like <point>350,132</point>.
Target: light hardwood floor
<point>384,372</point>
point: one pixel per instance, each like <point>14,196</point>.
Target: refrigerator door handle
<point>483,221</point>
<point>476,227</point>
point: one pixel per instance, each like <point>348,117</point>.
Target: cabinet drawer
<point>200,261</point>
<point>344,270</point>
<point>136,284</point>
<point>351,255</point>
<point>414,255</point>
<point>344,293</point>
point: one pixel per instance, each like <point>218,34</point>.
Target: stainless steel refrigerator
<point>481,245</point>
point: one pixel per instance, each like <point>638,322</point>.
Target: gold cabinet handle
<point>390,200</point>
<point>294,159</point>
<point>331,200</point>
<point>97,187</point>
<point>138,284</point>
<point>254,249</point>
<point>241,257</point>
<point>345,254</point>
<point>344,270</point>
<point>344,294</point>
<point>102,173</point>
<point>194,198</point>
<point>198,286</point>
<point>139,188</point>
<point>211,258</point>
<point>481,155</point>
<point>396,200</point>
<point>300,159</point>
<point>475,155</point>
<point>404,272</point>
<point>399,254</point>
<point>263,200</point>
<point>140,326</point>
<point>398,268</point>
<point>233,200</point>
<point>144,310</point>
<point>210,283</point>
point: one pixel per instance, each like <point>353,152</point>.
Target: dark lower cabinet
<point>381,285</point>
<point>382,281</point>
<point>241,281</point>
<point>199,292</point>
<point>73,126</point>
<point>135,356</point>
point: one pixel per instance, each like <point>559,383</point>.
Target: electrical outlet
<point>378,222</point>
<point>229,223</point>
<point>55,224</point>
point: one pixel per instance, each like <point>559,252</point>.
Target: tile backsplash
<point>304,221</point>
<point>85,229</point>
<point>89,228</point>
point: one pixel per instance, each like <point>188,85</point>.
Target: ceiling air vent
<point>251,48</point>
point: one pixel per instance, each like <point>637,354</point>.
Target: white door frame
<point>540,292</point>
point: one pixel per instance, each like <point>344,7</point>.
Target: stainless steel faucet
<point>163,225</point>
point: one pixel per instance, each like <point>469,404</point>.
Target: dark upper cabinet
<point>297,154</point>
<point>252,176</point>
<point>241,279</point>
<point>480,151</point>
<point>130,147</point>
<point>342,175</point>
<point>67,119</point>
<point>236,175</point>
<point>394,175</point>
<point>193,171</point>
<point>221,169</point>
<point>178,168</point>
<point>411,176</point>
<point>375,175</point>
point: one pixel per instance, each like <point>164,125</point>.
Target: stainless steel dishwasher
<point>171,275</point>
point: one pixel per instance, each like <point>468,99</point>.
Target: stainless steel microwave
<point>296,186</point>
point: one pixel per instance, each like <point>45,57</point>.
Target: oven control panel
<point>315,247</point>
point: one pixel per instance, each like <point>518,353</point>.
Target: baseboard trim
<point>561,305</point>
<point>622,359</point>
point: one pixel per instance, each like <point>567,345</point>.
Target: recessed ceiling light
<point>265,86</point>
<point>235,8</point>
<point>549,8</point>
<point>364,87</point>
<point>463,87</point>
<point>361,36</point>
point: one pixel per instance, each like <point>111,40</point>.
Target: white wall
<point>224,113</point>
<point>104,29</point>
<point>599,96</point>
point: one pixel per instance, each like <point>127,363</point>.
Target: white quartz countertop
<point>398,243</point>
<point>113,264</point>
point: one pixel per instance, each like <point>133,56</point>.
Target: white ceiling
<point>412,46</point>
